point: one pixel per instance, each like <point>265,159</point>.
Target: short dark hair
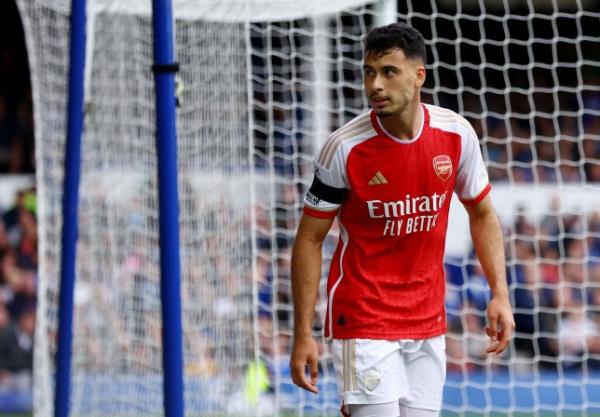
<point>396,36</point>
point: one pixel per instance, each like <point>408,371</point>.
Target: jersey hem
<point>389,336</point>
<point>320,214</point>
<point>481,196</point>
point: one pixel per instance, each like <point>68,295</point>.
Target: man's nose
<point>377,83</point>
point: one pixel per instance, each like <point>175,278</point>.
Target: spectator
<point>577,336</point>
<point>478,292</point>
<point>27,248</point>
<point>16,350</point>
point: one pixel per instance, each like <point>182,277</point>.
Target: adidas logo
<point>378,179</point>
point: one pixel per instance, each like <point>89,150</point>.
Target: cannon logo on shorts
<point>371,379</point>
<point>442,165</point>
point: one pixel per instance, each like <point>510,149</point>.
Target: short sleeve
<point>329,185</point>
<point>472,182</point>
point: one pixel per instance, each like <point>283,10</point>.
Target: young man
<point>388,176</point>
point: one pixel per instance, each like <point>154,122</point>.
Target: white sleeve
<point>325,196</point>
<point>472,183</point>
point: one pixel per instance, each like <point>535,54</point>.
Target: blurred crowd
<point>18,284</point>
<point>16,114</point>
<point>18,225</point>
<point>546,147</point>
<point>553,268</point>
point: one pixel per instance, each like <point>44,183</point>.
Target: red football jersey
<point>391,198</point>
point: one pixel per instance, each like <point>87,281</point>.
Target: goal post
<point>70,207</point>
<point>166,144</point>
<point>262,82</point>
<point>164,68</point>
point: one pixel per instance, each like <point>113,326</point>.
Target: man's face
<point>392,81</point>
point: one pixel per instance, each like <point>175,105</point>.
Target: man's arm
<point>306,275</point>
<point>487,240</point>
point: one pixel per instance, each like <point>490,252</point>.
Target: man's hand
<point>305,352</point>
<point>502,324</point>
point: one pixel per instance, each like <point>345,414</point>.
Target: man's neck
<point>404,125</point>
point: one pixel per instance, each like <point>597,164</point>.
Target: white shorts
<point>381,371</point>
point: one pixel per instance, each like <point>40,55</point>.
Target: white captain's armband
<point>323,200</point>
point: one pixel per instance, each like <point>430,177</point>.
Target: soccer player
<point>388,176</point>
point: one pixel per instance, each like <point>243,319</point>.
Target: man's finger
<point>501,342</point>
<point>505,335</point>
<point>493,327</point>
<point>307,384</point>
<point>488,331</point>
<point>314,371</point>
<point>508,327</point>
<point>299,378</point>
<point>492,347</point>
<point>295,373</point>
<point>502,347</point>
<point>499,347</point>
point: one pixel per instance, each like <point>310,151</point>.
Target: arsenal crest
<point>442,165</point>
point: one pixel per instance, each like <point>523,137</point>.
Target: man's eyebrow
<point>385,67</point>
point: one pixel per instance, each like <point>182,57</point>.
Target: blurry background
<point>540,135</point>
<point>18,227</point>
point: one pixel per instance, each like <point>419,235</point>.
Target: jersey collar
<point>381,130</point>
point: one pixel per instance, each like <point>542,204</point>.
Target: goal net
<point>262,83</point>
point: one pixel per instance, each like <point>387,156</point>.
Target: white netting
<point>117,330</point>
<point>263,85</point>
<point>223,10</point>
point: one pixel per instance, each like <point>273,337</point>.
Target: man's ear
<point>421,74</point>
